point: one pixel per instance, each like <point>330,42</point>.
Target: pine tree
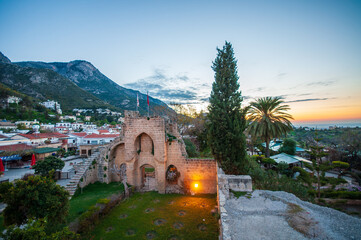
<point>318,168</point>
<point>226,118</point>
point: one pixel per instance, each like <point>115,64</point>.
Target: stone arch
<point>144,143</point>
<point>172,175</point>
<point>117,154</point>
<point>148,178</point>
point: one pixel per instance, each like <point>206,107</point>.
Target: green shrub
<point>103,201</point>
<point>339,164</point>
<point>304,175</point>
<point>191,148</point>
<point>283,168</point>
<point>268,161</point>
<point>36,197</point>
<point>288,146</point>
<point>49,163</point>
<point>36,229</point>
<point>339,194</point>
<point>270,180</point>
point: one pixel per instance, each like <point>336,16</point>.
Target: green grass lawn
<point>81,202</point>
<point>160,216</point>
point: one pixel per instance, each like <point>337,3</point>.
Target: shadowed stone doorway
<point>149,181</point>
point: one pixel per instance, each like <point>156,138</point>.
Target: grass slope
<point>143,210</point>
<point>81,202</point>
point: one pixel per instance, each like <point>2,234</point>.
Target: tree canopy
<point>36,197</point>
<point>43,167</point>
<point>269,119</point>
<point>226,118</point>
<point>288,146</point>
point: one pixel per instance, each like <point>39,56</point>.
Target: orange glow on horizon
<point>326,111</point>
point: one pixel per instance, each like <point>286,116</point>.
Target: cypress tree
<point>226,118</point>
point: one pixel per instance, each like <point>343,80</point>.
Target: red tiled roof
<point>79,134</point>
<point>15,147</point>
<point>103,131</point>
<point>43,135</point>
<point>102,136</point>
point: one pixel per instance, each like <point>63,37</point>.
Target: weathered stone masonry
<point>153,142</point>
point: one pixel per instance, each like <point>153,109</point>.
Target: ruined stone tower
<point>153,154</point>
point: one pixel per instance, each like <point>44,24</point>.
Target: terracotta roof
<point>15,147</point>
<point>102,136</point>
<point>43,135</point>
<point>103,131</point>
<point>79,134</point>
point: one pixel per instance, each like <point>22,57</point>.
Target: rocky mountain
<point>90,79</point>
<point>4,59</point>
<point>46,84</point>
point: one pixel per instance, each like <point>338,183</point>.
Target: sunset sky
<point>308,52</point>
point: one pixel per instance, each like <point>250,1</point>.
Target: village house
<point>7,125</point>
<point>54,140</point>
<point>94,140</point>
<point>47,126</point>
<point>52,105</point>
<point>77,126</point>
<point>27,124</point>
<point>76,138</point>
<point>13,99</point>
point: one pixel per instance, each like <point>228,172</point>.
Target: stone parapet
<point>225,183</point>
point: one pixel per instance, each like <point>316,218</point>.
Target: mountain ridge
<point>46,84</point>
<point>85,75</point>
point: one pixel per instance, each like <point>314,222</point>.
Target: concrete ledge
<point>242,183</point>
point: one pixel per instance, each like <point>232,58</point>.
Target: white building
<point>28,124</point>
<point>47,126</point>
<point>96,139</point>
<point>89,126</point>
<point>67,117</point>
<point>76,138</point>
<point>13,99</point>
<point>77,126</point>
<point>7,125</point>
<point>63,124</point>
<point>50,104</point>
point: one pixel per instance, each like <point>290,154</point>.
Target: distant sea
<point>326,125</point>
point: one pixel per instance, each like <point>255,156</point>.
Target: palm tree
<point>268,119</point>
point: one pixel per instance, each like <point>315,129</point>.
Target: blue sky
<point>309,52</point>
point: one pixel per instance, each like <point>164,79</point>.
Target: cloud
<point>179,88</point>
<point>143,85</point>
<point>304,94</point>
<point>283,96</point>
<point>176,94</point>
<point>323,83</point>
<point>308,100</point>
<point>281,75</point>
<point>247,97</point>
<point>260,89</point>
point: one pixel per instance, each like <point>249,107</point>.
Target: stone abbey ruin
<point>150,154</point>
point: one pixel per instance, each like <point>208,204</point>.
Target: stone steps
<point>72,186</point>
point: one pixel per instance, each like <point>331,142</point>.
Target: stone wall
<point>225,183</point>
<point>201,172</point>
<point>154,141</point>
